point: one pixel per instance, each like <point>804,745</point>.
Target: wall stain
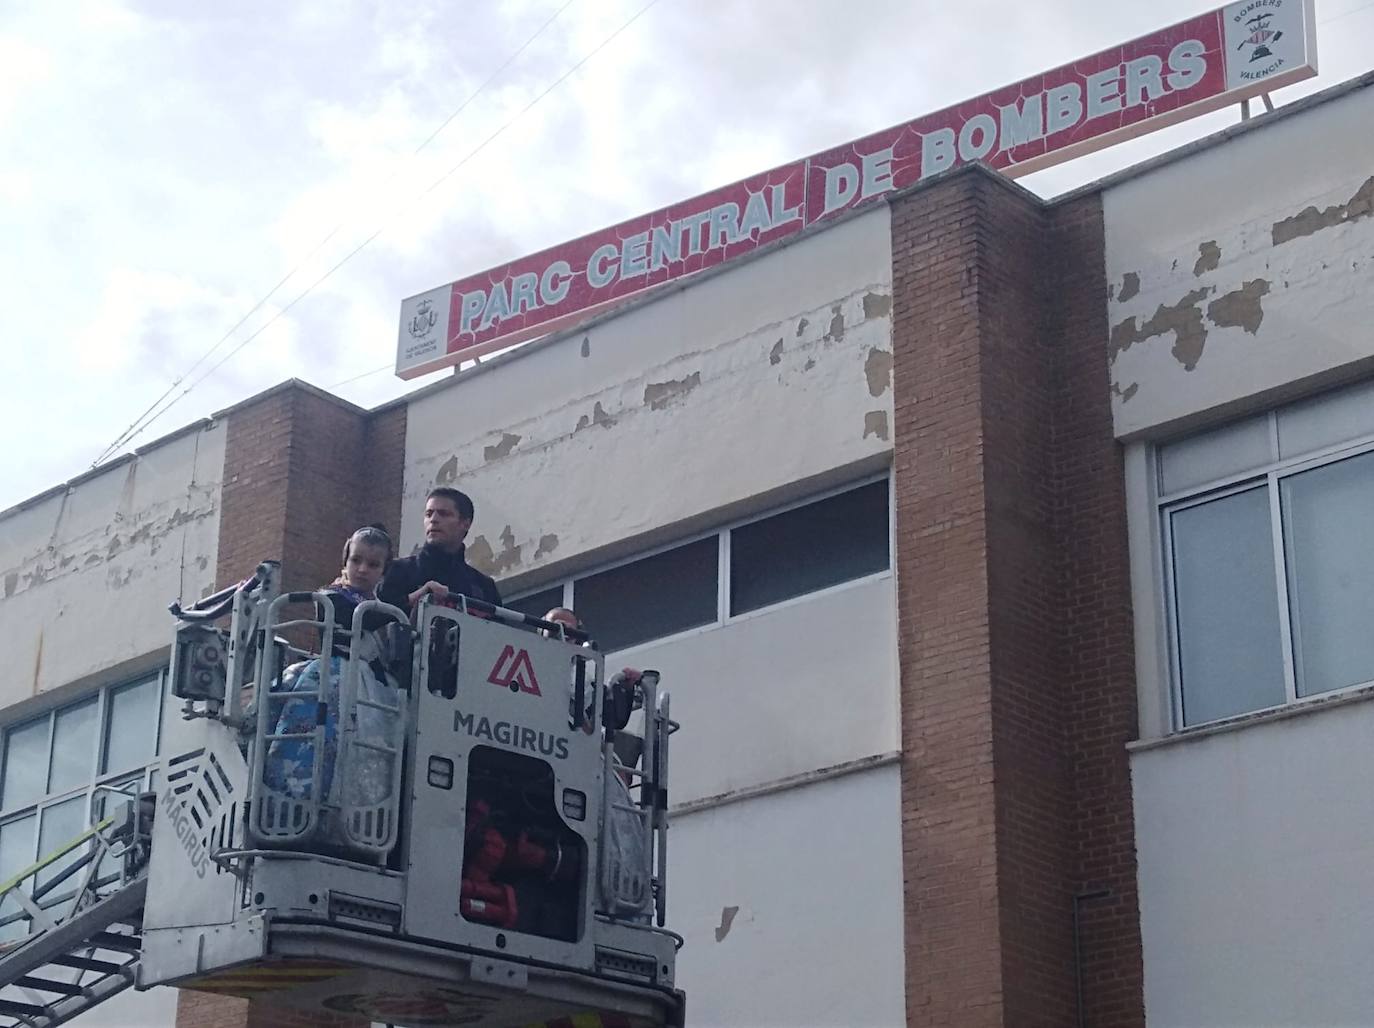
<point>586,346</point>
<point>38,662</point>
<point>1130,286</point>
<point>448,471</point>
<point>810,363</point>
<point>11,583</point>
<point>481,556</point>
<point>878,371</point>
<point>598,417</point>
<point>1240,307</point>
<point>1309,220</point>
<point>775,354</point>
<point>658,395</point>
<point>875,423</point>
<point>1126,393</point>
<point>509,556</point>
<point>547,544</point>
<point>835,332</point>
<point>503,448</point>
<point>1208,257</point>
<point>727,918</point>
<point>801,327</point>
<point>1184,319</point>
<point>877,305</point>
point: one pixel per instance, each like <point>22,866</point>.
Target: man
<point>629,744</point>
<point>440,569</point>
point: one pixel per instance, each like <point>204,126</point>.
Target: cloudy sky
<point>165,164</point>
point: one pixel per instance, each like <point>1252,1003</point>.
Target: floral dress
<point>289,766</point>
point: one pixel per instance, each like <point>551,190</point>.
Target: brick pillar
<point>302,470</point>
<point>1098,667</point>
<point>992,440</point>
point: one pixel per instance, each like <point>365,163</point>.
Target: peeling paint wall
<point>774,371</point>
<point>744,383</point>
<point>86,574</point>
<point>1242,268</point>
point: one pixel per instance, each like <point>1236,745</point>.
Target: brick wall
<point>1097,669</point>
<point>949,838</point>
<point>384,447</point>
<point>301,472</point>
<point>1013,606</point>
<point>202,1010</point>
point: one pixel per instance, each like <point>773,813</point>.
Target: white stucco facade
<point>88,569</point>
<point>1242,270</point>
<point>788,905</point>
<point>709,395</point>
<point>1254,848</point>
<point>1240,280</point>
<point>87,572</point>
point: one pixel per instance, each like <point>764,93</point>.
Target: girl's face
<point>364,567</point>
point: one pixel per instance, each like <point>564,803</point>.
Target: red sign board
<point>1196,66</point>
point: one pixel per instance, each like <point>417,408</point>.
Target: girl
<point>289,764</point>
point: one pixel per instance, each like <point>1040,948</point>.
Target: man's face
<point>444,526</point>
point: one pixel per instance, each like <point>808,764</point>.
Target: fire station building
<point>1008,561</point>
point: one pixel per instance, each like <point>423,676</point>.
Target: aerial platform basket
<point>417,825</point>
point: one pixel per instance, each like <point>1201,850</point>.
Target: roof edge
<point>1226,135</point>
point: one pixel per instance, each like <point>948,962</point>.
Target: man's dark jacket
<point>432,564</point>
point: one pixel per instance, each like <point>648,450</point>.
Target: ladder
<point>72,922</point>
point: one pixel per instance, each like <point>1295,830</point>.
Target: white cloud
<point>23,65</point>
<point>160,169</point>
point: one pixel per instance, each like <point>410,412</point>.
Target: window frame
<point>97,781</point>
<point>722,535</point>
<point>1268,476</point>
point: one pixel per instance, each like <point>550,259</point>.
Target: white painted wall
<point>85,579</point>
<point>815,875</point>
<point>737,383</point>
<point>781,692</point>
<point>1255,847</point>
<point>86,574</point>
<point>1318,308</point>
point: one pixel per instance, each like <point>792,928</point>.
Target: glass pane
<point>1326,515</point>
<point>16,853</point>
<point>73,746</point>
<point>131,732</point>
<point>1226,597</point>
<point>1213,455</point>
<point>1327,420</point>
<point>26,764</point>
<point>657,596</point>
<point>537,604</point>
<point>58,825</point>
<point>809,548</point>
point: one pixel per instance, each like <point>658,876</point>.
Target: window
<point>537,604</point>
<point>1270,566</point>
<point>837,538</point>
<point>652,597</point>
<point>55,767</point>
<point>808,548</point>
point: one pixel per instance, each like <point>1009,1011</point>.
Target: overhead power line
<point>148,416</point>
